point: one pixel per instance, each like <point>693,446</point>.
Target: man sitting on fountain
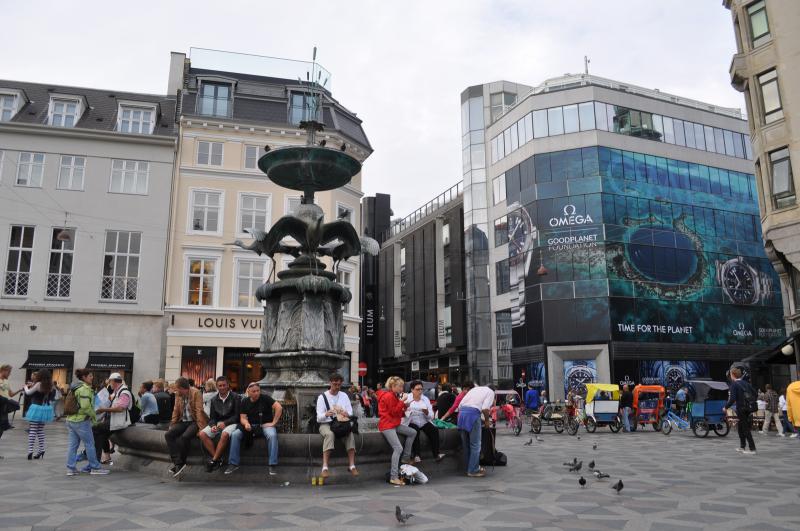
<point>258,416</point>
<point>222,423</point>
<point>188,418</point>
<point>331,404</point>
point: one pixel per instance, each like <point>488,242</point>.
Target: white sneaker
<point>749,452</point>
<point>781,435</point>
<point>793,436</point>
<point>740,450</point>
<point>762,432</point>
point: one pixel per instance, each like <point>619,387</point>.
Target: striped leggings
<point>36,432</point>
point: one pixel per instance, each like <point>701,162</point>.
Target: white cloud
<point>400,65</point>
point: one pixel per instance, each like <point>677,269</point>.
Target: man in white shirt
<point>477,401</point>
<point>339,407</point>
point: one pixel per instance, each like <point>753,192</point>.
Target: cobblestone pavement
<point>671,483</point>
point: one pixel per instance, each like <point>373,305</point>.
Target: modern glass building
<point>623,233</point>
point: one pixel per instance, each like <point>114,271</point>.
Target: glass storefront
<point>198,363</point>
<point>240,368</point>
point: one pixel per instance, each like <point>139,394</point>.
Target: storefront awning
<point>110,361</point>
<point>773,354</point>
<point>48,359</point>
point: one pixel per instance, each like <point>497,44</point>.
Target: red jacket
<point>390,410</point>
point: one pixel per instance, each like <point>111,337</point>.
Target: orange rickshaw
<point>648,406</point>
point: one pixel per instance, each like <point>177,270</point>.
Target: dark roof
<point>101,114</point>
<point>272,109</point>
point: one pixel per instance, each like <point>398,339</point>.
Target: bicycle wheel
<point>591,425</point>
<point>517,426</point>
<point>657,424</point>
<point>700,428</point>
<point>666,427</point>
<point>558,424</point>
<point>615,426</point>
<point>572,425</point>
<point>722,429</point>
<point>536,425</point>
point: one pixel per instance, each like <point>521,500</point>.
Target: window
<point>782,178</point>
<point>445,234</point>
<point>8,107</point>
<point>209,153</point>
<point>759,24</point>
<point>499,102</point>
<point>586,112</point>
<point>121,266</point>
<point>571,119</point>
<point>555,119</point>
<point>499,189</point>
<point>251,156</point>
<point>501,231</point>
<point>540,123</point>
<point>129,176</point>
<point>136,119</point>
<point>18,266</point>
<point>250,274</point>
<point>345,278</point>
<point>292,204</point>
<point>30,169</point>
<point>206,206</point>
<point>770,96</point>
<point>201,280</point>
<point>344,212</point>
<point>601,115</point>
<point>254,212</point>
<point>302,108</point>
<point>70,174</point>
<point>64,112</point>
<point>59,274</point>
<point>215,99</point>
<point>502,277</point>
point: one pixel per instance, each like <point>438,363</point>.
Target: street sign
<point>362,368</point>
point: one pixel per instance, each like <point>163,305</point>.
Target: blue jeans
<point>270,433</point>
<point>81,431</point>
<point>787,426</point>
<point>472,440</point>
<point>626,418</point>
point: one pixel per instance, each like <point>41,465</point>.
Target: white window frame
<point>125,170</point>
<point>344,206</point>
<point>211,145</point>
<point>67,171</point>
<point>203,255</point>
<point>286,199</point>
<point>349,308</point>
<point>201,81</point>
<point>126,255</point>
<point>30,165</point>
<point>190,216</point>
<point>80,106</point>
<point>137,106</point>
<point>239,210</point>
<point>20,249</point>
<point>18,100</point>
<point>237,260</point>
<point>259,153</point>
<point>60,278</point>
<point>2,158</point>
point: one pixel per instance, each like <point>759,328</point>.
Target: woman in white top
<point>418,416</point>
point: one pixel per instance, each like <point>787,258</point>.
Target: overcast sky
<point>400,65</point>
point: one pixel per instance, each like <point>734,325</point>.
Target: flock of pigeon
<point>575,466</point>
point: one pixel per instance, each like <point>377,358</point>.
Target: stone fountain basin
<point>144,449</point>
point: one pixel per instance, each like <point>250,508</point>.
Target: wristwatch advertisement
<point>741,282</point>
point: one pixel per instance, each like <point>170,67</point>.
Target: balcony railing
<point>16,284</point>
<point>58,285</point>
<point>448,196</point>
<point>119,288</point>
<point>211,106</point>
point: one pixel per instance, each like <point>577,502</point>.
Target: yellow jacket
<point>793,403</point>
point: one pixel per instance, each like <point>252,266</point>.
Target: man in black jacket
<point>740,391</point>
<point>222,422</point>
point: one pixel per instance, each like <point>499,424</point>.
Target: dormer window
<point>215,99</point>
<point>302,107</point>
<point>136,118</point>
<point>65,111</point>
<point>11,101</point>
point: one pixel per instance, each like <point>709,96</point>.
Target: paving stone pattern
<point>671,483</point>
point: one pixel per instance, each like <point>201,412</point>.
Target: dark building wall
<point>455,218</point>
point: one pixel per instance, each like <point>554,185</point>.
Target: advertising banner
<point>671,374</point>
<point>577,373</point>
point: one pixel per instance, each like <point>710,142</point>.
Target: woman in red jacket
<point>391,410</point>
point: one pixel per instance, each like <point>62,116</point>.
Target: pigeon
<point>344,146</point>
<point>530,442</point>
<point>323,142</point>
<point>400,515</point>
<point>577,467</point>
<point>573,463</point>
<point>582,482</point>
<point>539,439</point>
<point>594,446</point>
<point>579,437</point>
<point>591,465</point>
<point>600,475</point>
<point>617,486</point>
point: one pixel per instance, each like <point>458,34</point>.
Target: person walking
<point>532,399</point>
<point>787,426</point>
<point>773,411</point>
<point>744,397</point>
<point>334,404</point>
<point>793,405</point>
<point>418,416</point>
<point>391,409</point>
<point>188,419</point>
<point>80,415</point>
<point>478,401</point>
<point>625,407</point>
<point>41,394</point>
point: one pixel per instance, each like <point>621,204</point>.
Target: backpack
<point>748,402</point>
<point>134,413</point>
<point>71,405</point>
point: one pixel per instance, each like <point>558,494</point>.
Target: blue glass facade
<point>636,248</point>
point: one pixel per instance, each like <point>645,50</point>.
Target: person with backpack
<point>335,404</point>
<point>80,415</point>
<point>118,413</point>
<point>744,397</point>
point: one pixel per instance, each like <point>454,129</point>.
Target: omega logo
<point>570,218</point>
<point>742,332</point>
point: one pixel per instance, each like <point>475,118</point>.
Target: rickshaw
<point>707,410</point>
<point>556,414</point>
<point>602,407</point>
<point>648,406</point>
<point>509,403</point>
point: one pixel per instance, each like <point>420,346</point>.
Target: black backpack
<point>748,401</point>
<point>134,413</point>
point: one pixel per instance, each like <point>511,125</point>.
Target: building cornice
<point>63,309</point>
<point>87,134</point>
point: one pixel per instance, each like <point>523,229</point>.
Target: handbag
<point>338,427</point>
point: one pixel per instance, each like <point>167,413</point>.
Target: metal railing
<point>119,288</point>
<point>58,285</point>
<point>446,197</point>
<point>16,284</point>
